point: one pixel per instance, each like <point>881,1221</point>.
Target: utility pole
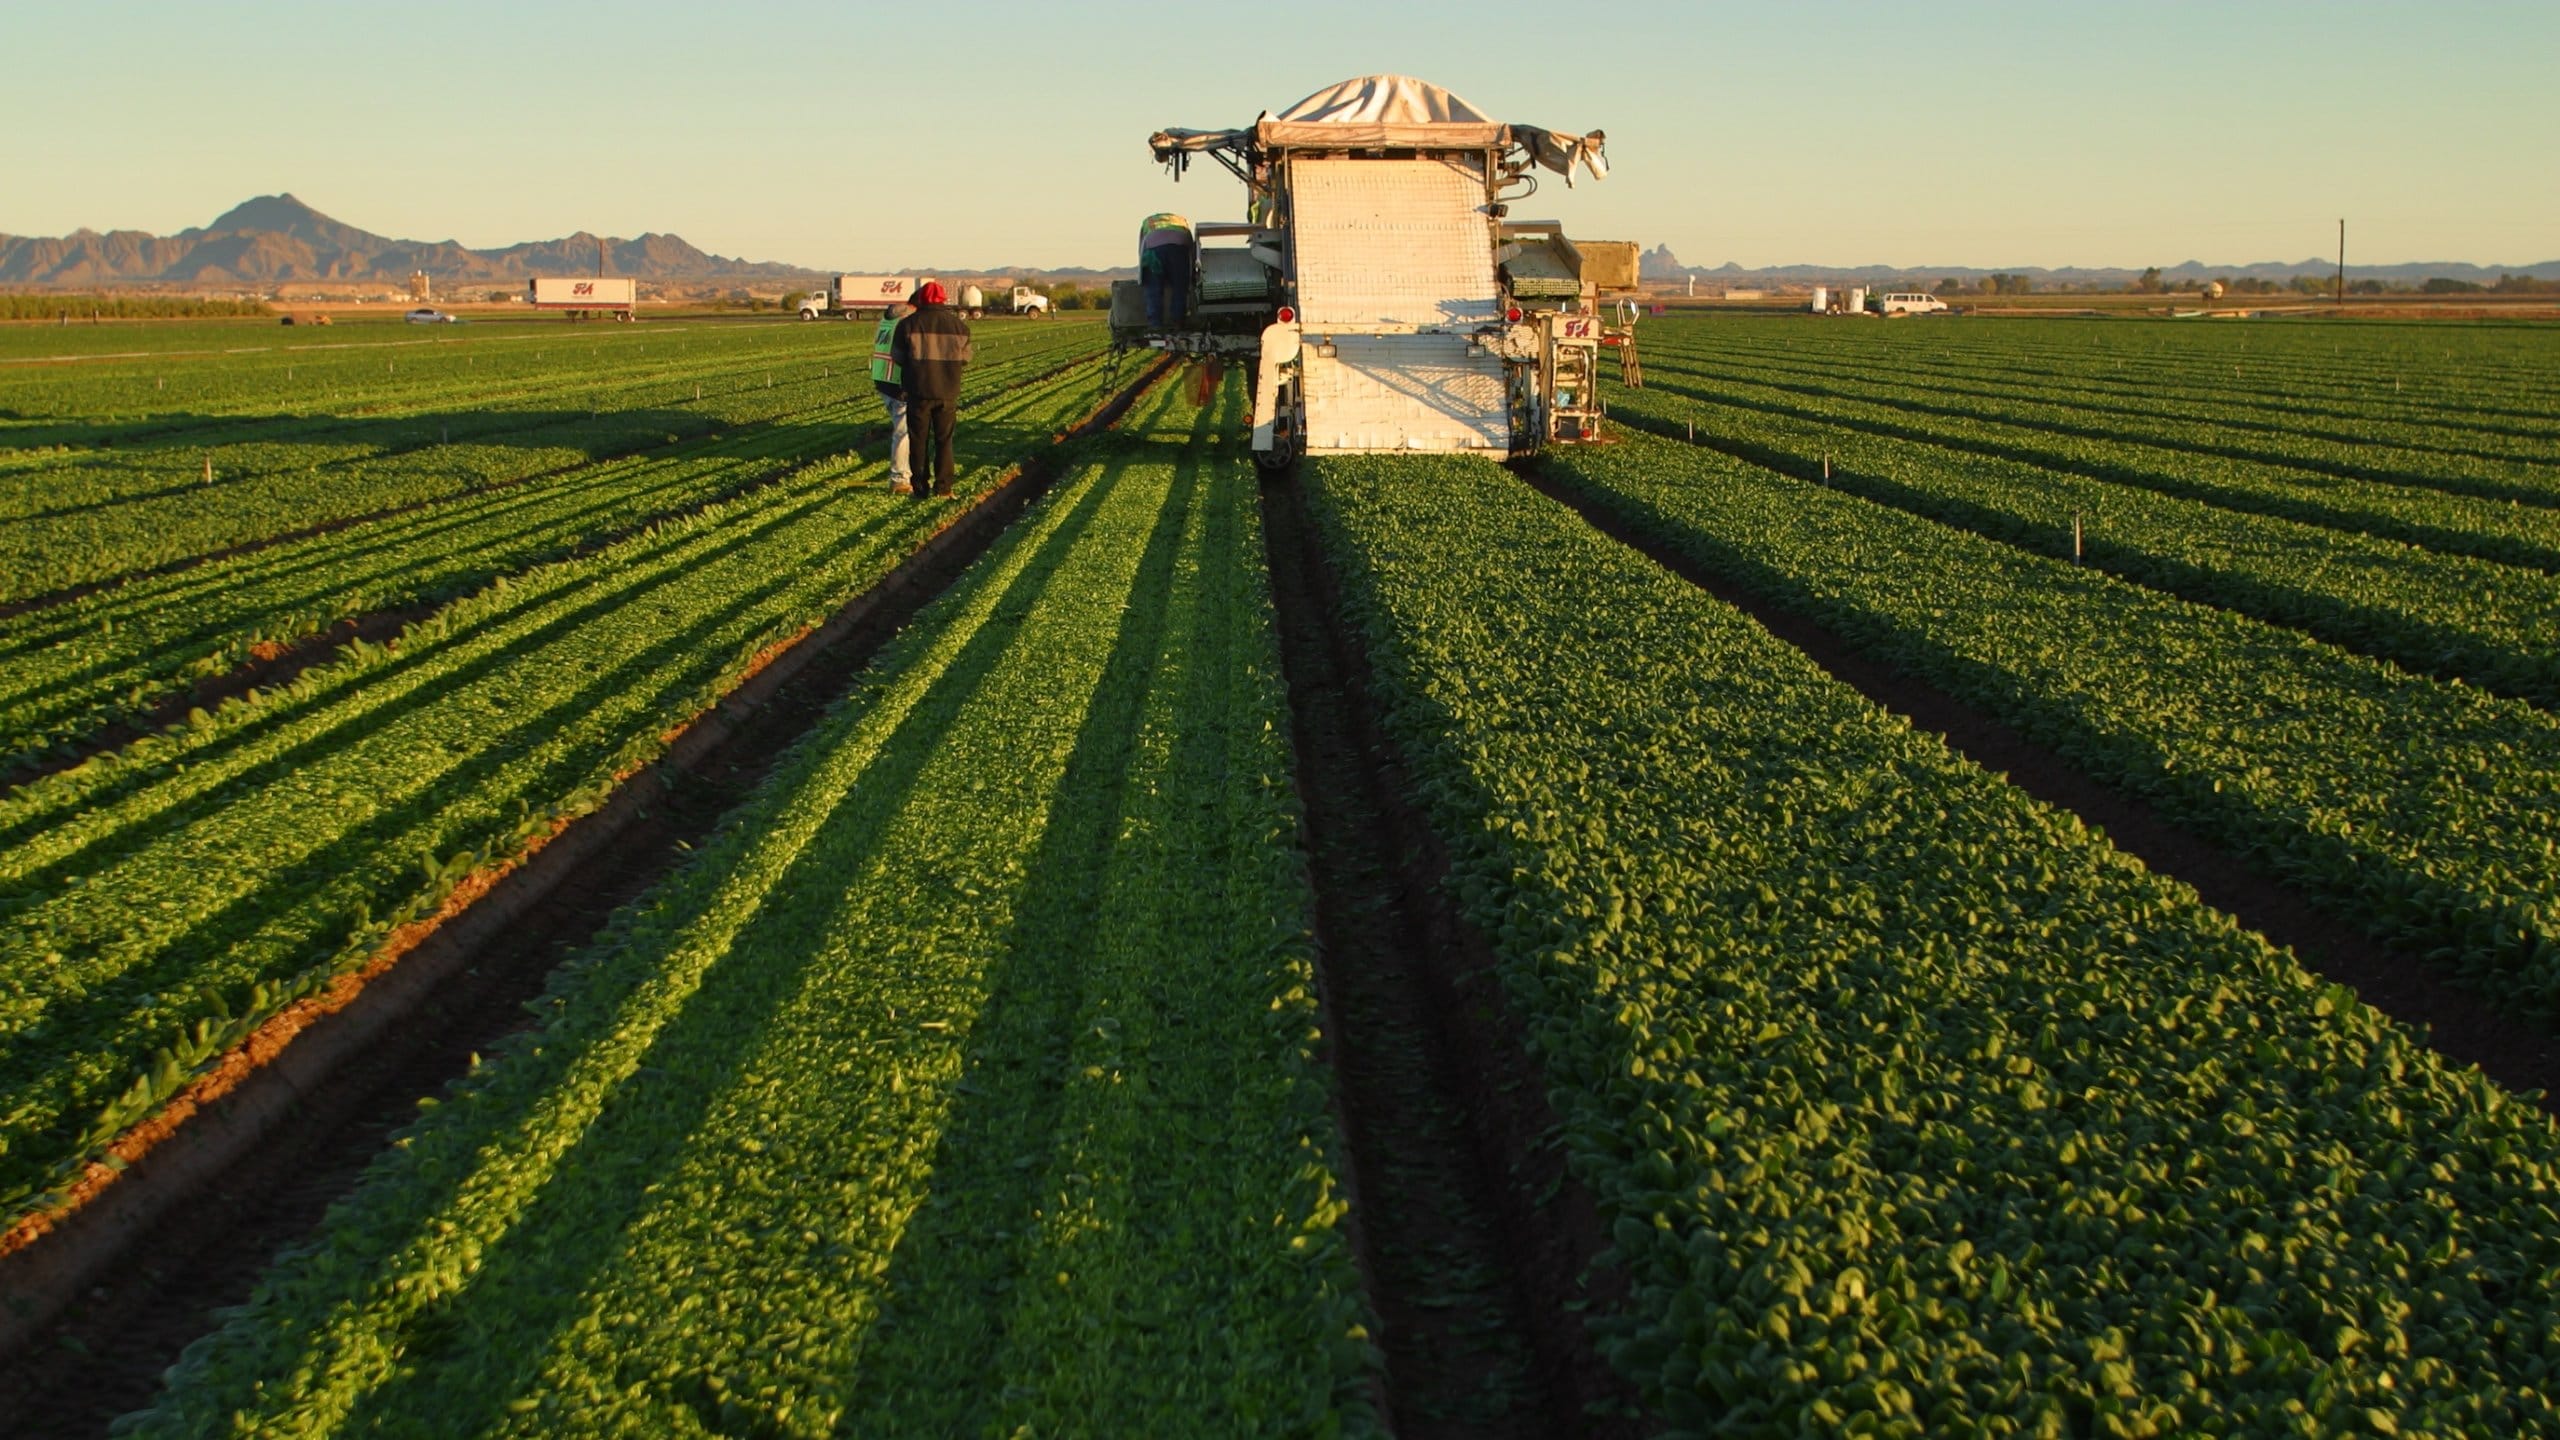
<point>2342,260</point>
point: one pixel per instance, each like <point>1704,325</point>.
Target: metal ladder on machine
<point>1570,379</point>
<point>1622,338</point>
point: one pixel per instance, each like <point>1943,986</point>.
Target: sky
<point>983,133</point>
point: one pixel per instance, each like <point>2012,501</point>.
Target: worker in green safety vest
<point>887,378</point>
<point>1164,267</point>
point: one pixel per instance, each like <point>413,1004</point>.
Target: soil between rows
<point>1477,1246</point>
<point>2451,1020</point>
<point>105,1354</point>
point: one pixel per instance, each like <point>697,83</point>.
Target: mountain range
<point>277,238</point>
<point>1659,263</point>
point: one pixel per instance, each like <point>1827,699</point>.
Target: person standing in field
<point>931,350</point>
<point>1164,267</point>
<point>886,379</point>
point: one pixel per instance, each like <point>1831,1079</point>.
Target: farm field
<point>169,895</point>
<point>992,1060</point>
<point>791,1157</point>
<point>418,521</point>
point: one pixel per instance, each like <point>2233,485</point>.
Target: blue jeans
<point>897,436</point>
<point>1167,282</point>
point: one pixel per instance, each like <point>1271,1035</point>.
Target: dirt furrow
<point>1477,1246</point>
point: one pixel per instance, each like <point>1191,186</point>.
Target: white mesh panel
<point>1391,243</point>
<point>1405,392</point>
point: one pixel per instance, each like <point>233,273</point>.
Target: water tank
<point>2213,290</point>
<point>1855,301</point>
<point>972,298</point>
<point>1821,298</point>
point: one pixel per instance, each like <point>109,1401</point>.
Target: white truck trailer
<point>1383,295</point>
<point>854,296</point>
<point>584,295</point>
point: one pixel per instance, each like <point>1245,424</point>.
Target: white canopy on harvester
<point>1375,112</point>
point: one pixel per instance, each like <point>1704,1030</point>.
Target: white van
<point>1910,304</point>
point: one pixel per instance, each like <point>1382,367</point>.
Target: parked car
<point>1911,304</point>
<point>429,315</point>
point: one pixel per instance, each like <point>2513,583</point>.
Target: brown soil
<point>149,1284</point>
<point>2457,1023</point>
<point>1478,1246</point>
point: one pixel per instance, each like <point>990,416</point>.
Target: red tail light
<point>1288,314</point>
<point>1512,314</point>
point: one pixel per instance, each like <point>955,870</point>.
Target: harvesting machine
<point>1379,287</point>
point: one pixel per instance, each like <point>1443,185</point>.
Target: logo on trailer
<point>893,287</point>
<point>1576,329</point>
<point>583,287</point>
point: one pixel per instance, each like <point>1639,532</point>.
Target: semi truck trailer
<point>582,296</point>
<point>853,296</point>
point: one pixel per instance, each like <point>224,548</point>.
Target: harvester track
<point>117,1288</point>
<point>1477,1246</point>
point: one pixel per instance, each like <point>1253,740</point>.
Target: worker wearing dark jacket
<point>932,349</point>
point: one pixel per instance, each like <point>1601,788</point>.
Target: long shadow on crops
<point>152,666</point>
<point>411,564</point>
<point>1001,434</point>
<point>535,1278</point>
<point>2310,508</point>
<point>153,640</point>
<point>1824,390</point>
<point>946,1291</point>
<point>2114,406</point>
<point>588,434</point>
<point>595,434</point>
<point>578,603</point>
<point>2413,644</point>
<point>107,1009</point>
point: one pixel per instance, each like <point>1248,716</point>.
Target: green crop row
<point>163,899</point>
<point>2425,811</point>
<point>85,523</point>
<point>2482,374</point>
<point>108,655</point>
<point>962,1084</point>
<point>2162,437</point>
<point>2512,534</point>
<point>2138,373</point>
<point>1912,1106</point>
<point>595,400</point>
<point>200,395</point>
<point>2491,625</point>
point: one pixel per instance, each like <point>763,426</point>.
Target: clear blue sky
<point>980,133</point>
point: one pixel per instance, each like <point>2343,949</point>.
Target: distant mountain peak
<point>278,238</point>
<point>283,212</point>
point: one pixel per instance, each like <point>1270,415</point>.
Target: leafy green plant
<point>961,1084</point>
<point>1914,1107</point>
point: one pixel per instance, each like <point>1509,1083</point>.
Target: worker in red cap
<point>932,349</point>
